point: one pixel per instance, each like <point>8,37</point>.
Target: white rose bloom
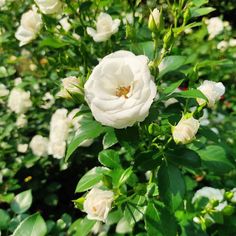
<point>19,101</point>
<point>39,145</point>
<point>30,25</point>
<point>65,24</point>
<point>22,148</point>
<point>222,46</point>
<point>21,121</point>
<point>120,90</point>
<point>212,90</point>
<point>98,203</point>
<point>221,206</point>
<point>214,27</point>
<point>105,28</point>
<point>75,123</point>
<point>2,3</point>
<point>17,81</point>
<point>213,194</point>
<point>185,131</point>
<point>70,85</point>
<point>232,42</point>
<point>3,90</point>
<point>49,6</point>
<point>233,199</point>
<point>59,129</point>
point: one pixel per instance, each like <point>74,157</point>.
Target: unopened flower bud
<point>155,22</point>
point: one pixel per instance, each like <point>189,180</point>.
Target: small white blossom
<point>22,148</point>
<point>3,90</point>
<point>214,26</point>
<point>65,24</point>
<point>39,145</point>
<point>21,121</point>
<point>19,101</point>
<point>30,25</point>
<point>212,90</point>
<point>222,46</point>
<point>105,28</point>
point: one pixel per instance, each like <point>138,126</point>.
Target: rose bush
<point>117,118</point>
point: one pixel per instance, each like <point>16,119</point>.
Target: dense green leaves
<point>22,202</point>
<point>5,219</point>
<point>214,158</point>
<point>33,225</point>
<point>171,185</point>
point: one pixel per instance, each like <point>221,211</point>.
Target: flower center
<point>122,91</point>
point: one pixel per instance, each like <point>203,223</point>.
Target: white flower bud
<point>98,203</point>
<point>155,20</point>
<point>212,90</point>
<point>22,148</point>
<point>185,131</point>
<point>214,26</point>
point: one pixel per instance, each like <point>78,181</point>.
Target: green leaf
<point>83,226</point>
<point>53,43</point>
<point>193,93</point>
<point>171,88</point>
<point>196,12</point>
<point>33,225</point>
<point>88,130</point>
<point>90,179</point>
<point>171,63</point>
<point>214,158</point>
<point>5,219</point>
<point>159,221</point>
<point>109,138</point>
<point>134,209</point>
<point>125,175</point>
<point>22,202</point>
<point>171,185</point>
<point>184,157</point>
<point>199,3</point>
<point>84,6</point>
<point>109,158</point>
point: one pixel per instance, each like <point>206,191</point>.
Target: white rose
<point>120,90</point>
<point>75,123</point>
<point>59,129</point>
<point>185,131</point>
<point>105,28</point>
<point>212,90</point>
<point>70,85</point>
<point>39,145</point>
<point>213,194</point>
<point>17,81</point>
<point>19,101</point>
<point>214,27</point>
<point>3,90</point>
<point>57,149</point>
<point>65,24</point>
<point>221,206</point>
<point>232,42</point>
<point>30,25</point>
<point>49,6</point>
<point>22,148</point>
<point>2,3</point>
<point>21,121</point>
<point>222,46</point>
<point>97,204</point>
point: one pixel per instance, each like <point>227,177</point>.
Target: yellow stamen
<point>122,91</point>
